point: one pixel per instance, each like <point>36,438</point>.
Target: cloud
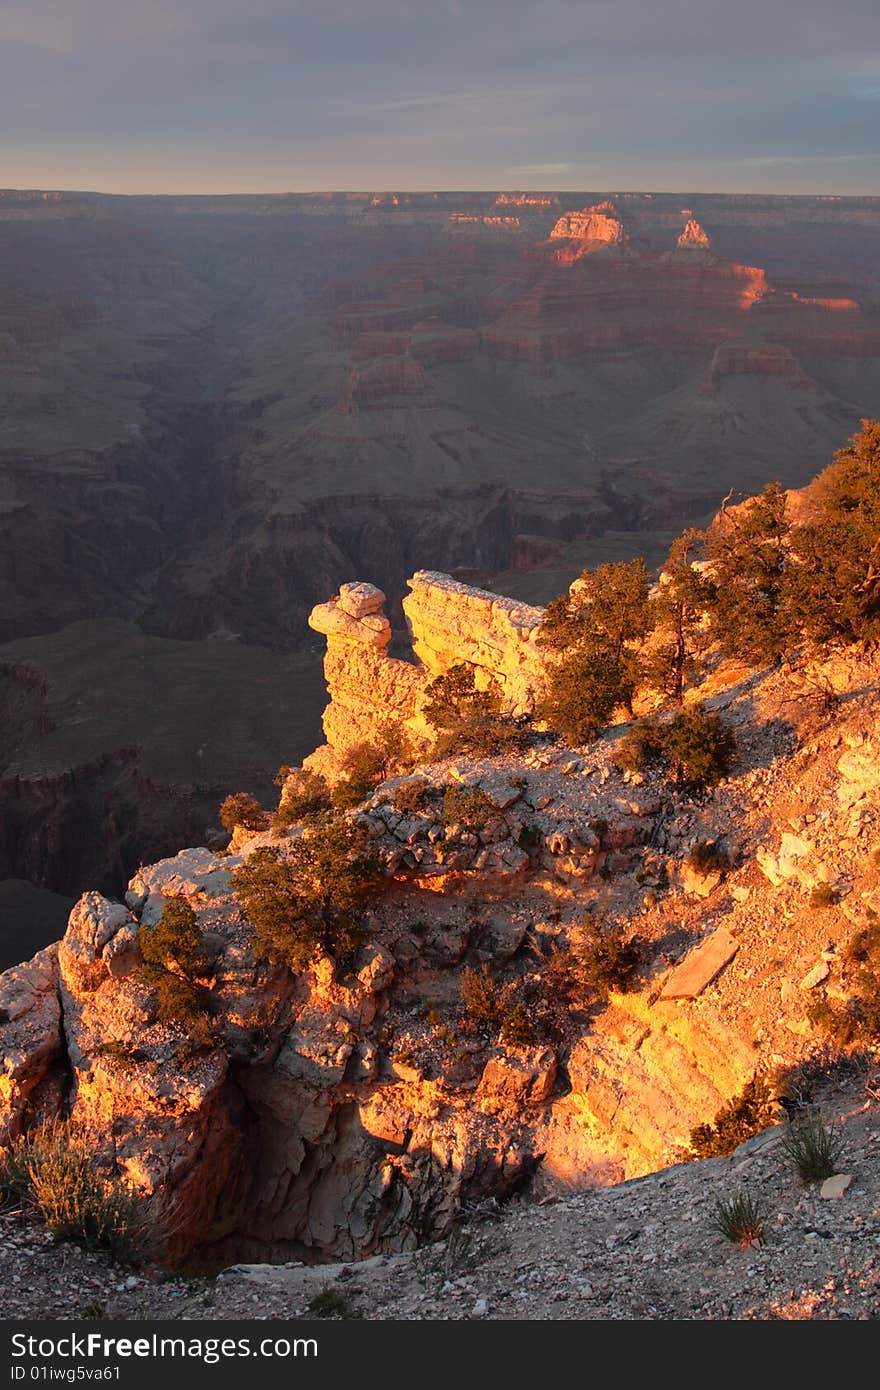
<point>541,170</point>
<point>458,90</point>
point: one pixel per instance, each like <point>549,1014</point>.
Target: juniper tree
<point>590,633</point>
<point>748,548</point>
<point>677,608</point>
<point>175,938</point>
<point>834,580</point>
<point>467,719</point>
<point>174,956</point>
<point>299,900</point>
<point>242,809</point>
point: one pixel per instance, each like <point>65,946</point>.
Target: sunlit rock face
<point>450,624</point>
<point>588,230</point>
<point>694,237</point>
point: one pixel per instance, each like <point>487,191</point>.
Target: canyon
<point>345,1113</point>
<point>217,410</point>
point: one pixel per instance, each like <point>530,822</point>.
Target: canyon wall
<point>450,624</point>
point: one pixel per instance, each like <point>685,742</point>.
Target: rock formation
<point>587,231</point>
<point>693,237</point>
<point>367,688</point>
<point>750,359</point>
<point>336,1112</point>
<point>450,624</point>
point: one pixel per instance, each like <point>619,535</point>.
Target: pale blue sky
<point>276,95</point>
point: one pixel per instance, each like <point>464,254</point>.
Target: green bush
<point>304,793</point>
<point>243,809</point>
<point>698,747</point>
<point>363,768</point>
<point>747,1114</point>
<point>174,955</point>
<point>181,1005</point>
<point>14,1181</point>
<point>676,611</point>
<point>749,551</point>
<point>299,902</point>
<point>605,958</point>
<point>468,806</point>
<point>414,796</point>
<point>640,748</point>
<point>740,1218</point>
<point>176,937</point>
<point>834,581</point>
<point>365,765</point>
<point>468,720</point>
<point>584,687</point>
<point>590,634</point>
<point>485,1000</point>
<point>53,1173</point>
<point>812,1147</point>
<point>517,1029</point>
<point>858,1019</point>
<point>330,1303</point>
<point>608,605</point>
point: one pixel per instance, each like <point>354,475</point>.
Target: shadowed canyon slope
<point>214,410</point>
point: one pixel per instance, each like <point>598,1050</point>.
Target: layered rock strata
<point>318,1123</point>
<point>450,624</point>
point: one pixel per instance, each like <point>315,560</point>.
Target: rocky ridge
<point>338,1117</point>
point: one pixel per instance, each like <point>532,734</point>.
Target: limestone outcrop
<point>450,624</point>
<point>337,1111</point>
<point>549,816</point>
<point>368,689</point>
<point>31,1043</point>
<point>291,1134</point>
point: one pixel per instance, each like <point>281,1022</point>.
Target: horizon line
<point>427,192</point>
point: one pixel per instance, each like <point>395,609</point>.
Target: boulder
<point>701,966</point>
<point>787,863</point>
<point>359,599</point>
<point>815,976</point>
<point>519,1076</point>
<point>102,939</point>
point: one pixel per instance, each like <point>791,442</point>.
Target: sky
<point>197,96</point>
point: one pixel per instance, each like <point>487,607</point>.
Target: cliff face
<point>589,230</point>
<point>336,1113</point>
<point>450,624</point>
